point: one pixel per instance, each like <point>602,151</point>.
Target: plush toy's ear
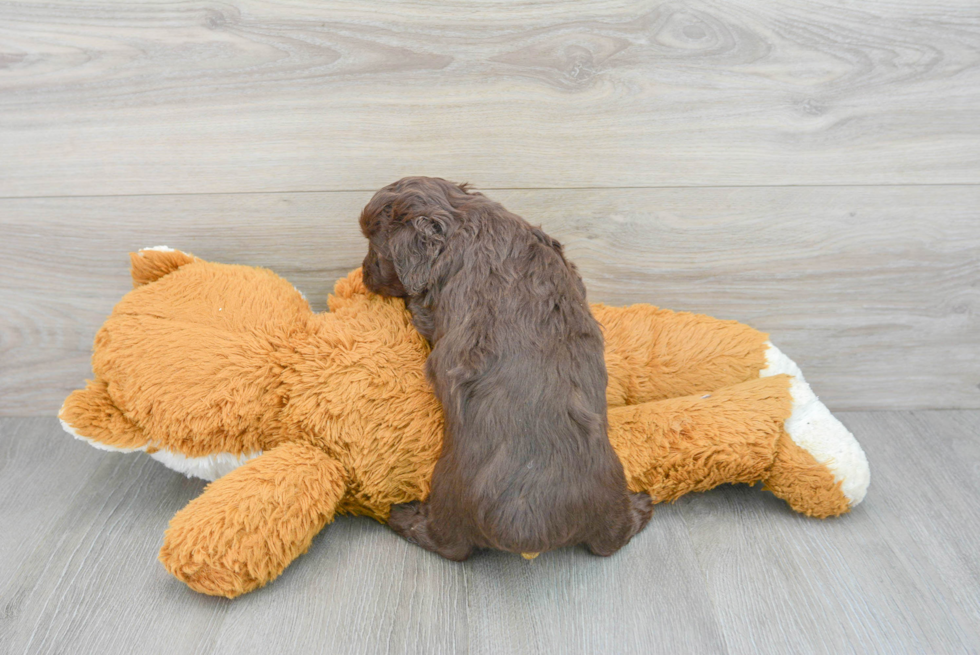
<point>151,264</point>
<point>91,415</point>
<point>415,246</point>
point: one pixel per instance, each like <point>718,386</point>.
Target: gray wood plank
<point>940,462</point>
<point>648,598</point>
<point>897,575</point>
<point>34,507</point>
<point>124,97</point>
<point>360,589</point>
<point>84,578</point>
<point>731,570</point>
<point>874,291</point>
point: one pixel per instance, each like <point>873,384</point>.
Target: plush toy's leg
<point>250,524</point>
<point>806,485</point>
<point>816,440</point>
<point>652,353</point>
<point>90,414</point>
<point>694,443</point>
<point>736,434</point>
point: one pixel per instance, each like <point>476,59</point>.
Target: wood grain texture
<point>360,589</point>
<point>123,97</point>
<point>81,533</point>
<point>729,571</point>
<point>874,291</point>
<point>902,576</point>
<point>649,597</point>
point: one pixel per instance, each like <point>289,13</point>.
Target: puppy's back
<point>525,376</point>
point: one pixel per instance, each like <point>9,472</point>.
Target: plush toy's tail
<point>151,264</point>
<point>761,430</point>
<point>818,446</point>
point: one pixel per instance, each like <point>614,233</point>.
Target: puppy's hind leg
<point>641,511</point>
<point>412,522</point>
<point>618,531</point>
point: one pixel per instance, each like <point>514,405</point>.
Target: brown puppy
<point>517,362</point>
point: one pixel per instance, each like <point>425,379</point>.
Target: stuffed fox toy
<point>224,373</point>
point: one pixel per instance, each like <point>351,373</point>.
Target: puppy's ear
<point>415,248</point>
<point>555,245</point>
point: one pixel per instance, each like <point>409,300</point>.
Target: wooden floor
<point>729,571</point>
<point>809,167</point>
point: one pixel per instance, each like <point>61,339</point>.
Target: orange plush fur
<point>225,372</point>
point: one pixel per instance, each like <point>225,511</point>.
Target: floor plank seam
<point>505,188</point>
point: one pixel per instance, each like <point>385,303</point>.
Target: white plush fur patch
<point>812,427</point>
<point>209,467</point>
<point>96,444</point>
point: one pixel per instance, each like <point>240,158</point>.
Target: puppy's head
<point>407,225</point>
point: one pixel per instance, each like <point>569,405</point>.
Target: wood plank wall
<point>812,168</point>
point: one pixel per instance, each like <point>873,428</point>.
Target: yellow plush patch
<point>203,364</point>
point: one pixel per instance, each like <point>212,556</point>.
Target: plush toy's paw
<point>818,436</point>
<point>249,525</point>
<point>806,485</point>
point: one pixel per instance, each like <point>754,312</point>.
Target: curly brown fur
<point>517,362</point>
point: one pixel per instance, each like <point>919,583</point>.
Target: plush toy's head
<point>225,373</point>
<point>216,364</point>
